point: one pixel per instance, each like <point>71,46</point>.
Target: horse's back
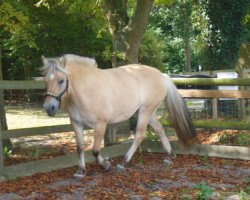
<point>141,75</point>
<point>146,82</point>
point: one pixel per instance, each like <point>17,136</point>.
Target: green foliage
<point>31,28</point>
<point>167,22</point>
<point>151,50</point>
<point>241,139</point>
<point>226,32</point>
<point>163,2</point>
<point>216,30</point>
<point>205,158</point>
<point>7,151</point>
<point>241,194</point>
<point>152,135</point>
<point>246,23</point>
<point>248,190</point>
<point>51,28</point>
<point>205,191</point>
<point>174,56</point>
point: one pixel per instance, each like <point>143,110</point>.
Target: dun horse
<point>94,97</point>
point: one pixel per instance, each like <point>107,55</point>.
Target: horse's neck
<point>78,69</point>
<point>78,77</point>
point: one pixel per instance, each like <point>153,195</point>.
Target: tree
<point>151,51</point>
<point>186,9</point>
<point>3,121</point>
<point>174,22</point>
<point>226,32</point>
<point>127,32</point>
<point>77,27</point>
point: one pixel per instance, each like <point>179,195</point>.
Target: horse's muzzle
<point>51,105</point>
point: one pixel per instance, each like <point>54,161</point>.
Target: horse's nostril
<point>53,109</point>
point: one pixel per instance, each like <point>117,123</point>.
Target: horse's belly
<point>123,114</point>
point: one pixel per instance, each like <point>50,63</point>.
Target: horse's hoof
<point>167,162</point>
<point>108,166</point>
<point>79,176</point>
<point>120,168</point>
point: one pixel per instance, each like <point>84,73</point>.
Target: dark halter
<point>58,96</point>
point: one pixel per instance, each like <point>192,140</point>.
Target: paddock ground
<point>46,146</point>
<point>145,178</point>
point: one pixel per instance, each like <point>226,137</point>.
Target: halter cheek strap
<point>58,97</point>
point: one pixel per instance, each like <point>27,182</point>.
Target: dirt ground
<point>46,146</point>
<point>145,178</point>
<point>190,177</point>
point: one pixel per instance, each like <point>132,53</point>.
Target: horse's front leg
<point>78,128</point>
<point>98,137</point>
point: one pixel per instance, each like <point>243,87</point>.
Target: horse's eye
<point>61,82</point>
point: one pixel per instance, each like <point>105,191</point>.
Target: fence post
<point>108,137</point>
<point>215,109</point>
<point>1,102</point>
<point>1,151</point>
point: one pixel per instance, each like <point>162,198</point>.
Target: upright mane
<point>71,58</point>
<point>60,63</point>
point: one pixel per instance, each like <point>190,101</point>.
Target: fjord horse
<point>94,97</point>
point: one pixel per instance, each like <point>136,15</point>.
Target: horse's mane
<point>71,58</point>
<point>60,63</point>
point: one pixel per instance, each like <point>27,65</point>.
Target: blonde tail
<point>178,114</point>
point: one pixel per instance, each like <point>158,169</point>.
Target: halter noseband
<point>58,96</point>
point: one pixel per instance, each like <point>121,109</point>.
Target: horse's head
<point>56,78</point>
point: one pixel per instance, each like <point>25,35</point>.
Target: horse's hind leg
<point>98,137</point>
<point>80,145</point>
<point>140,135</point>
<point>158,128</point>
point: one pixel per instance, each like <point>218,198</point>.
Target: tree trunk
<point>3,126</point>
<point>127,33</point>
<point>186,34</point>
<point>187,53</point>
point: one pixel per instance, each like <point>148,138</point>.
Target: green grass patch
<point>239,139</point>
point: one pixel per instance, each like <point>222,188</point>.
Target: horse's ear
<point>45,60</point>
<point>62,61</point>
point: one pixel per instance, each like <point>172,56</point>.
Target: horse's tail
<point>178,114</point>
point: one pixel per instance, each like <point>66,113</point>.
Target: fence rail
<point>239,94</point>
<point>26,85</point>
<point>217,125</point>
<point>30,85</point>
<point>212,81</point>
<point>22,85</point>
<point>16,133</point>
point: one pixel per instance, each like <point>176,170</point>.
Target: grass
<point>205,191</point>
<point>242,138</point>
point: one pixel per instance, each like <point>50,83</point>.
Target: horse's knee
<point>156,125</point>
<point>159,129</point>
<point>140,137</point>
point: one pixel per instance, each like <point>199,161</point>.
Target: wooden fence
<point>55,162</point>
